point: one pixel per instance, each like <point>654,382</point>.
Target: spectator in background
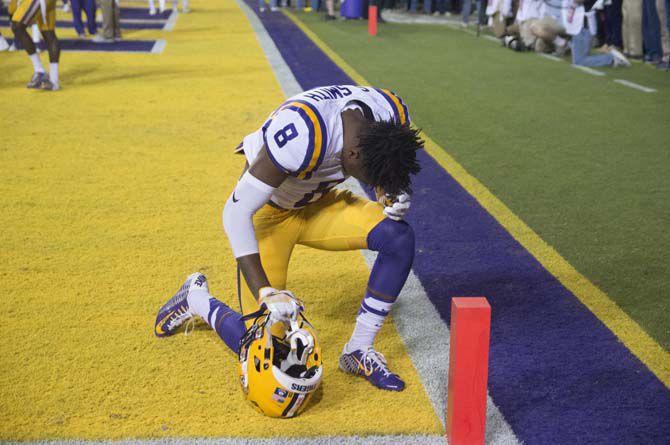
<point>579,21</point>
<point>161,6</point>
<point>443,7</point>
<point>427,6</point>
<point>111,22</point>
<point>549,29</point>
<point>500,15</point>
<point>651,32</point>
<point>466,10</point>
<point>152,6</point>
<point>527,14</point>
<point>631,30</point>
<point>663,9</point>
<point>330,8</point>
<point>90,8</point>
<point>273,5</point>
<point>613,23</point>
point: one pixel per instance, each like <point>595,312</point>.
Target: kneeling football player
<point>287,196</point>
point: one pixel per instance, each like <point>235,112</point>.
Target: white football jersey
<point>304,138</point>
<point>528,9</point>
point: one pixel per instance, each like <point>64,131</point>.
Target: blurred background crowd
<point>594,32</point>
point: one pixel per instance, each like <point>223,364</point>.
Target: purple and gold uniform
<point>41,12</point>
<point>304,138</point>
<point>11,8</point>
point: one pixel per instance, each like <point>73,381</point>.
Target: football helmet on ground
<point>280,364</point>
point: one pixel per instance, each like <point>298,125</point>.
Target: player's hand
<point>396,207</point>
<point>282,304</point>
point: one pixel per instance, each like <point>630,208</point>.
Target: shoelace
<point>190,325</point>
<point>375,359</point>
<point>179,319</point>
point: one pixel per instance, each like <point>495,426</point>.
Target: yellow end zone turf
<point>111,194</point>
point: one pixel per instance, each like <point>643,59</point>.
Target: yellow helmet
<point>280,364</point>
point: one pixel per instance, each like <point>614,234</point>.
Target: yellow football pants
<point>338,221</point>
<point>29,12</point>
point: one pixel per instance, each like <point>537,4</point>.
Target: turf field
<point>112,194</point>
<point>581,159</point>
<point>112,191</point>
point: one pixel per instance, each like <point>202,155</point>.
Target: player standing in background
<point>43,12</point>
<point>161,6</point>
<point>287,196</point>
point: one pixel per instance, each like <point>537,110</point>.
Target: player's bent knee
<point>393,237</point>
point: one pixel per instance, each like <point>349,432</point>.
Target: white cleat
<point>4,46</point>
<point>619,58</point>
<point>48,85</point>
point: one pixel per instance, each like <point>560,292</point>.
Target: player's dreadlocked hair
<point>388,152</point>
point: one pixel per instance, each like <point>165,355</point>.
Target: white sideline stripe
<point>325,440</point>
<point>144,21</point>
<point>430,353</point>
<point>282,72</point>
<point>591,71</point>
<point>635,86</point>
<point>171,21</point>
<point>491,38</point>
<point>550,57</point>
<point>158,47</point>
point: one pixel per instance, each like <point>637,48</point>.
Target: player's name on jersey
<point>329,93</point>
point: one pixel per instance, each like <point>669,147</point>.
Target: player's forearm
<point>253,272</point>
<point>249,196</point>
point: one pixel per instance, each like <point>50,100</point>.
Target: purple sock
<point>395,243</point>
<point>227,323</point>
<point>394,240</point>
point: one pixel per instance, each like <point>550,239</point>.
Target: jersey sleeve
<point>296,138</point>
<point>397,106</point>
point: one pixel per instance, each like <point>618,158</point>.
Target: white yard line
<point>588,70</point>
<point>488,37</point>
<point>550,57</point>
<point>635,86</point>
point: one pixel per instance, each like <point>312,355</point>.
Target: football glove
<point>282,304</point>
<point>395,207</point>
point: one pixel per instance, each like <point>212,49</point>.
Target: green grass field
<point>581,159</point>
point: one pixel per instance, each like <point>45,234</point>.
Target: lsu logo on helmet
<point>280,365</point>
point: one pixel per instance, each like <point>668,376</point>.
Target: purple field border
<point>124,25</point>
<point>558,375</point>
<point>132,46</point>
